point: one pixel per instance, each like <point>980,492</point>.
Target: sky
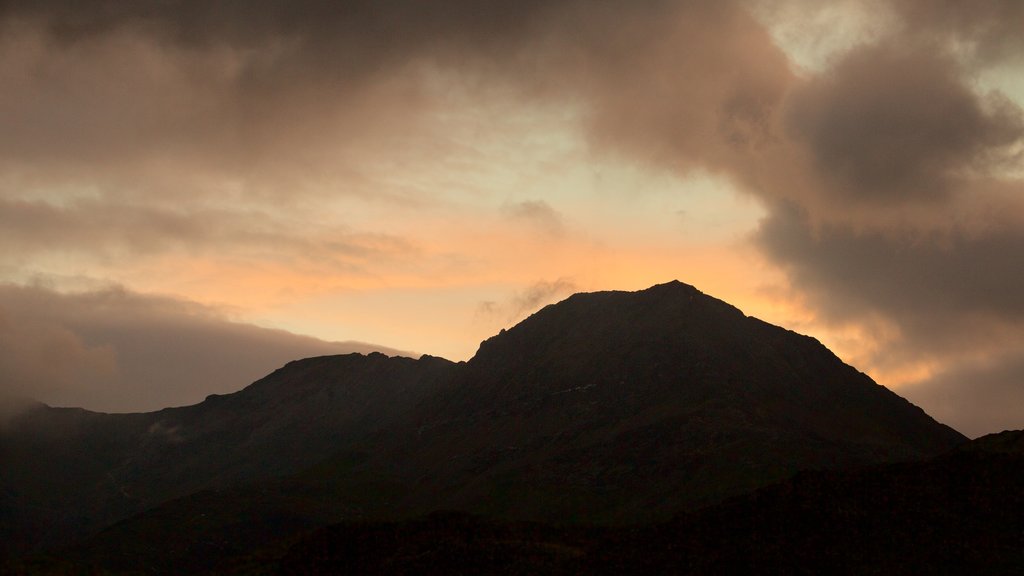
<point>194,192</point>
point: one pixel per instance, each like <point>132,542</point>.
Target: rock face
<point>607,407</point>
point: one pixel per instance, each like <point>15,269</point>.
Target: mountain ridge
<point>608,407</point>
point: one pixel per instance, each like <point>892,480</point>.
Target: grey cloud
<point>201,24</point>
<point>908,218</point>
<point>113,350</point>
<point>539,294</point>
<point>695,87</point>
<point>137,119</point>
<point>989,29</point>
<point>526,301</point>
<point>889,124</point>
<point>936,285</point>
<point>162,109</point>
<point>976,398</point>
<point>247,85</point>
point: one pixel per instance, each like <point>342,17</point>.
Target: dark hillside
<point>69,471</point>
<point>959,513</point>
<point>627,406</point>
<point>607,408</point>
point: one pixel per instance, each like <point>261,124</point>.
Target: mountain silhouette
<point>69,471</point>
<point>639,404</point>
<point>606,408</point>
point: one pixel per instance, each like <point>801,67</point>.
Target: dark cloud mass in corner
<point>891,124</point>
<point>911,207</point>
<point>116,351</point>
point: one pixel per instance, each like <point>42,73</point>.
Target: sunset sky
<point>194,192</point>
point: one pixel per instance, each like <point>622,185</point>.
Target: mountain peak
<point>672,285</point>
<point>605,407</point>
<point>610,318</point>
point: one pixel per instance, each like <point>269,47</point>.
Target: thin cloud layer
<point>526,301</point>
<point>536,213</point>
<point>113,350</point>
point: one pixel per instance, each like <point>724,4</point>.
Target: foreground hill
<point>962,512</point>
<point>608,407</point>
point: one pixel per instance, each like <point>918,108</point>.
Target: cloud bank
<point>116,351</point>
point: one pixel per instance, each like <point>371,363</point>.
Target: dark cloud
<point>113,350</point>
<point>895,203</point>
<point>233,88</point>
<point>976,398</point>
<point>389,27</point>
<point>695,87</point>
<point>890,124</point>
<point>935,285</point>
<point>988,29</point>
<point>126,117</point>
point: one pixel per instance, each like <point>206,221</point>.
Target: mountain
<point>609,408</point>
<point>68,472</point>
<point>958,513</point>
<point>630,406</point>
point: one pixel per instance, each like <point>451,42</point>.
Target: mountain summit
<point>639,404</point>
<point>607,407</point>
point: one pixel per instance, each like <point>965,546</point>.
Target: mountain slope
<point>640,404</point>
<point>69,471</point>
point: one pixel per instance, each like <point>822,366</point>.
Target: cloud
<point>539,294</point>
<point>114,350</point>
<point>104,230</point>
<point>526,301</point>
<point>891,124</point>
<point>901,209</point>
<point>977,397</point>
<point>935,286</point>
<point>696,86</point>
<point>536,213</point>
<point>257,96</point>
<point>987,30</point>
